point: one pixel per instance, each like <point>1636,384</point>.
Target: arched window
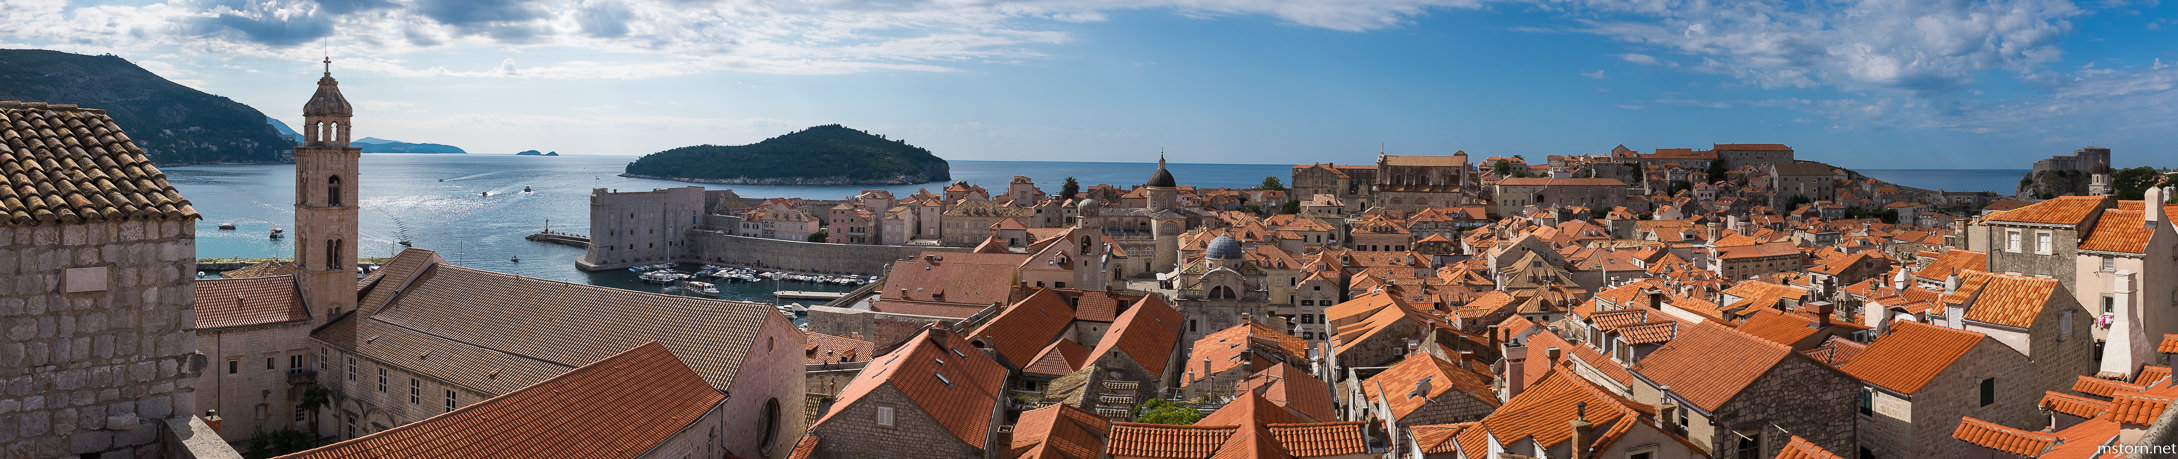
<point>771,424</point>
<point>332,254</point>
<point>1221,292</point>
<point>332,191</point>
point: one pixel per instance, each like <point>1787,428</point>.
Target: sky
<point>1858,83</point>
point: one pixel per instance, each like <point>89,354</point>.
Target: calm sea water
<point>435,202</point>
<point>2002,181</point>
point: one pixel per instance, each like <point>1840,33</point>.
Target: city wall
<point>720,248</point>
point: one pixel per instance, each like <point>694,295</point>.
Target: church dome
<point>1085,203</point>
<point>1161,178</point>
<point>327,101</point>
<point>1223,248</point>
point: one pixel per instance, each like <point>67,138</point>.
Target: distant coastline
<point>789,181</point>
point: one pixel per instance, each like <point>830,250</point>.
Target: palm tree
<point>314,398</point>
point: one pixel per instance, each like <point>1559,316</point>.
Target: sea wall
<point>720,248</point>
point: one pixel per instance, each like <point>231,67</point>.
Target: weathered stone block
<point>122,422</point>
<point>156,407</point>
<point>143,434</point>
<point>34,424</point>
<point>64,421</point>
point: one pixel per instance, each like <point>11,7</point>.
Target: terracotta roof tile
<point>2137,408</point>
<point>1405,377</point>
<point>1778,327</point>
<point>2169,344</point>
<point>2103,387</point>
<point>1953,261</point>
<point>1240,344</point>
<point>1148,332</point>
<point>1061,358</point>
<point>1800,448</point>
<point>1293,388</point>
<point>2083,407</point>
<point>1911,355</point>
<point>265,268</point>
<point>245,302</point>
<point>1319,439</point>
<point>1835,351</point>
<point>587,412</point>
<point>944,376</point>
<point>2064,210</point>
<point>1546,409</point>
<point>1993,436</point>
<point>2003,299</point>
<point>1166,442</point>
<point>823,348</point>
<point>1710,364</point>
<point>1439,438</point>
<point>2123,231</point>
<point>62,164</point>
<point>1059,431</point>
<point>1546,181</point>
<point>2151,374</point>
<point>978,279</point>
<point>2087,440</point>
<point>1024,328</point>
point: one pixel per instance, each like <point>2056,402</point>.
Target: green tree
<point>276,443</point>
<point>1796,201</point>
<point>1252,209</point>
<point>1159,411</point>
<point>1677,185</point>
<point>2133,183</point>
<point>1271,183</point>
<point>1293,206</point>
<point>1070,189</point>
<point>1716,171</point>
<point>819,236</point>
<point>314,398</point>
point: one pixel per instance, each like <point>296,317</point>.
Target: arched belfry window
<point>332,254</point>
<point>332,191</point>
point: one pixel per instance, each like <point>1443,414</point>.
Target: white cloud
<point>1598,74</point>
<point>1638,58</point>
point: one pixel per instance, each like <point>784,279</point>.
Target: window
<point>1988,391</point>
<point>1750,446</point>
<point>2109,305</point>
<point>324,355</point>
<point>771,424</point>
<point>271,363</point>
<point>2065,326</point>
<point>884,416</point>
<point>295,361</point>
<point>2011,241</point>
<point>332,191</point>
<point>381,380</point>
<point>332,254</point>
<point>1867,401</point>
<point>2109,263</point>
<point>415,391</point>
<point>233,365</point>
<point>449,400</point>
<point>301,414</point>
<point>2041,243</point>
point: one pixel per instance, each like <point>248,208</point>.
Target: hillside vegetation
<point>175,125</point>
<point>822,155</point>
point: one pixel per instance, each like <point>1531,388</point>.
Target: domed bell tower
<point>325,202</point>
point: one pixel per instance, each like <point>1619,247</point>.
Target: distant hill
<point>536,153</point>
<point>284,130</point>
<point>824,155</point>
<point>175,125</point>
<point>378,145</point>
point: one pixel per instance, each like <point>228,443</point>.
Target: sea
<point>472,209</point>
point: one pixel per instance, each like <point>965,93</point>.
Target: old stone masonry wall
<point>98,349</point>
<point>809,257</point>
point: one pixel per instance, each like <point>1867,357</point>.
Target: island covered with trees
<point>823,155</point>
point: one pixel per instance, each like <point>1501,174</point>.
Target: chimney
<point>1552,353</point>
<point>1578,444</point>
<point>211,418</point>
<point>2152,207</point>
<point>1823,310</point>
<point>1493,337</point>
<point>1666,409</point>
<point>1515,375</point>
<point>1205,367</point>
<point>939,333</point>
<point>2127,346</point>
<point>1246,318</point>
<point>1951,283</point>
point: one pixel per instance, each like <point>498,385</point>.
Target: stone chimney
<point>1951,283</point>
<point>1493,337</point>
<point>1553,354</point>
<point>212,419</point>
<point>1666,409</point>
<point>1578,444</point>
<point>938,333</point>
<point>1515,375</point>
<point>2127,346</point>
<point>2152,208</point>
<point>1955,316</point>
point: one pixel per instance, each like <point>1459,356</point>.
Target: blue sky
<point>1860,83</point>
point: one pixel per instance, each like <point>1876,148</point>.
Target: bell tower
<point>325,202</point>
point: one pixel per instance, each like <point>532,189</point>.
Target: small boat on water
<point>278,233</point>
<point>702,287</point>
<point>516,259</point>
<point>484,194</point>
<point>226,226</point>
<point>793,308</point>
<point>525,188</point>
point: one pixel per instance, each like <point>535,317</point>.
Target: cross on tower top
<point>328,65</point>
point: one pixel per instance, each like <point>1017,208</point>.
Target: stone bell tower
<point>325,202</point>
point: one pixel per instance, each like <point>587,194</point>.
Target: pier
<point>807,295</point>
<point>571,240</point>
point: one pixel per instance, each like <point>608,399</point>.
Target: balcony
<point>302,376</point>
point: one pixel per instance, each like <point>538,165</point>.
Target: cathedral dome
<point>1161,178</point>
<point>1223,248</point>
<point>1085,203</point>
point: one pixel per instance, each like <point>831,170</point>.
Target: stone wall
<point>1921,426</point>
<point>1800,396</point>
<point>637,228</point>
<point>881,328</point>
<point>714,247</point>
<point>771,372</point>
<point>98,349</point>
<point>855,434</point>
<point>2060,263</point>
<point>254,396</point>
<point>361,408</point>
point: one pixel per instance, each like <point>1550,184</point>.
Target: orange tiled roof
<point>2103,387</point>
<point>944,376</point>
<point>1166,441</point>
<point>245,302</point>
<point>1998,437</point>
<point>1439,438</point>
<point>1147,332</point>
<point>1319,439</point>
<point>2137,408</point>
<point>1911,355</point>
<point>1710,364</point>
<point>586,412</point>
<point>1778,327</point>
<point>1026,327</point>
<point>2150,374</point>
<point>1231,347</point>
<point>2082,407</point>
<point>2087,439</point>
<point>823,348</point>
<point>1402,379</point>
<point>2123,231</point>
<point>1292,388</point>
<point>1059,431</point>
<point>1545,410</point>
<point>1800,448</point>
<point>2064,210</point>
<point>2169,344</point>
<point>2003,299</point>
<point>1062,357</point>
<point>1835,351</point>
<point>64,164</point>
<point>1953,261</point>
